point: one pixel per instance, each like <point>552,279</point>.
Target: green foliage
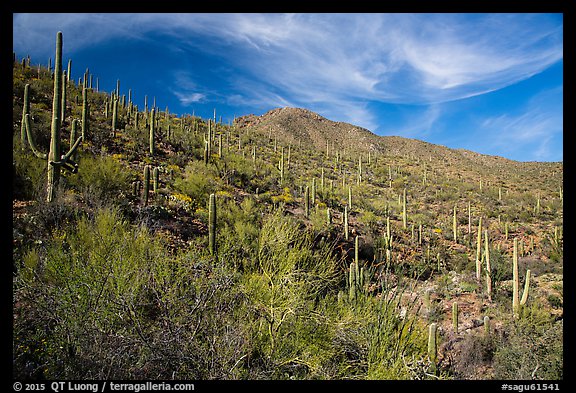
<point>100,296</point>
<point>533,349</point>
<point>101,178</point>
<point>198,181</point>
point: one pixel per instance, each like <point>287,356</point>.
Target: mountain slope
<point>299,126</point>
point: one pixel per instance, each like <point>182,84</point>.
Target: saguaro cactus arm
<point>35,150</point>
<point>526,289</point>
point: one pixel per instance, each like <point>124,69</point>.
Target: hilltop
<point>298,126</point>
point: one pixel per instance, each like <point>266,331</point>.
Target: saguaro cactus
<point>63,104</point>
<point>432,347</point>
<point>487,325</point>
<point>212,224</point>
<point>114,116</point>
<point>152,132</point>
<point>56,161</point>
<point>68,73</point>
<point>346,231</point>
<point>488,266</point>
<point>349,197</point>
<point>85,119</point>
<point>155,178</point>
<point>455,316</point>
<point>313,191</point>
<point>281,167</point>
<point>455,226</point>
<point>352,282</point>
<point>526,289</point>
<point>516,302</point>
<point>25,111</point>
<point>404,214</point>
<point>479,250</point>
<point>146,184</point>
<point>307,202</point>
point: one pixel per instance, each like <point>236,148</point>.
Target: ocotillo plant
<point>212,225</point>
<point>56,161</point>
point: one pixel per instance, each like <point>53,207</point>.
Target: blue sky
<point>491,83</point>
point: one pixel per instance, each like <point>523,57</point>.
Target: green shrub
<point>198,181</point>
<point>102,178</point>
<point>105,300</point>
<point>533,349</point>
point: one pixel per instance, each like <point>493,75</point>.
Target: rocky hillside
<point>299,126</point>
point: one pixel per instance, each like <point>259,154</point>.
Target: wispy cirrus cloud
<point>401,58</point>
<point>340,65</point>
<point>537,128</point>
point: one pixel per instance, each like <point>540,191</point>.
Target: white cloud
<point>402,58</point>
<point>535,131</point>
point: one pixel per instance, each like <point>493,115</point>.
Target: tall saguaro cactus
<point>515,300</point>
<point>84,113</point>
<point>307,202</point>
<point>25,111</point>
<point>152,132</point>
<point>455,226</point>
<point>346,229</point>
<point>479,250</point>
<point>56,161</point>
<point>488,266</point>
<point>54,154</point>
<point>114,116</point>
<point>404,214</point>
